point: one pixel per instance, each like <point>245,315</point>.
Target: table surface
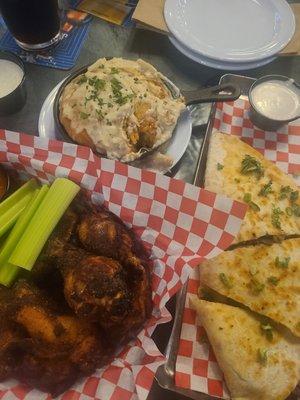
<point>106,40</point>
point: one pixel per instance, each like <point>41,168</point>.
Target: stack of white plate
<point>230,34</point>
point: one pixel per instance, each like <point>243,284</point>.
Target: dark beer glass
<point>35,24</point>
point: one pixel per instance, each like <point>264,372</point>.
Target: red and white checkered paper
<point>180,223</point>
<point>196,366</point>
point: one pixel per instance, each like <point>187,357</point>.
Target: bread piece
<point>237,170</point>
<point>254,367</point>
<point>264,278</point>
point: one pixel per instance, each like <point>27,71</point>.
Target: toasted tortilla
<point>254,367</point>
<point>264,278</point>
<point>270,213</point>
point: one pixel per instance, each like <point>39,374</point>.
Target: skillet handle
<point>214,93</point>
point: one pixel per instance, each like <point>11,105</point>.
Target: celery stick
<point>8,219</point>
<point>14,198</point>
<point>50,211</point>
<point>8,271</point>
<point>8,274</point>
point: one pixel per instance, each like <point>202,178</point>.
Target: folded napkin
<point>149,14</point>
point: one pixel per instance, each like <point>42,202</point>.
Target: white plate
<point>175,148</point>
<point>231,30</point>
<point>208,62</point>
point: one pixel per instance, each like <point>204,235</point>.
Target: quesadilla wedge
<point>264,278</point>
<point>237,170</point>
<point>254,367</point>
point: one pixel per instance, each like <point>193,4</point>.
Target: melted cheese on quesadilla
<point>254,367</point>
<point>237,170</point>
<point>264,278</point>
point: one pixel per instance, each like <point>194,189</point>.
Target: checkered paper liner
<point>196,366</point>
<point>180,223</point>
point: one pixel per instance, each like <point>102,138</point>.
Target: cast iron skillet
<point>224,92</point>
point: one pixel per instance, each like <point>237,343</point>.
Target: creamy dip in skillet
<point>11,76</point>
<point>120,108</point>
<point>277,100</point>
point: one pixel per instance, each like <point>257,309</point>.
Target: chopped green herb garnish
<point>256,286</point>
<point>266,189</point>
<point>254,206</point>
<point>227,281</point>
<point>114,70</point>
<point>115,84</point>
<point>296,210</point>
<point>220,166</point>
<point>275,218</point>
<point>100,114</point>
<point>252,166</point>
<point>82,79</point>
<point>262,356</point>
<point>289,211</point>
<point>116,87</point>
<point>294,196</point>
<point>84,115</point>
<point>267,330</point>
<point>284,192</point>
<point>247,199</point>
<point>273,280</point>
<point>97,83</point>
<point>284,263</point>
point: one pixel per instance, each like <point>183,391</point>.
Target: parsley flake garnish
<point>285,191</point>
<point>267,330</point>
<point>273,280</point>
<point>97,83</point>
<point>82,79</point>
<point>296,210</point>
<point>227,281</point>
<point>266,189</point>
<point>100,114</point>
<point>262,356</point>
<point>256,286</point>
<point>284,263</point>
<point>289,211</point>
<point>294,196</point>
<point>84,115</point>
<point>247,199</point>
<point>114,70</point>
<point>220,166</point>
<point>275,218</point>
<point>251,165</point>
<point>116,87</point>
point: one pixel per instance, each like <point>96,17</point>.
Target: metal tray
<point>165,375</point>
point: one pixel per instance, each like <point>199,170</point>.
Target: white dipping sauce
<point>277,100</point>
<point>11,76</point>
